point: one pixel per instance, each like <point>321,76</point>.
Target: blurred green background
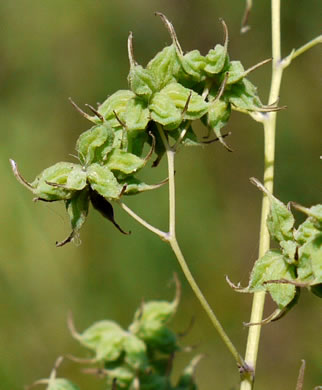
<point>50,50</point>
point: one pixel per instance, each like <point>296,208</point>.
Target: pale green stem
<point>144,223</point>
<point>295,53</point>
<point>177,251</point>
<point>269,153</point>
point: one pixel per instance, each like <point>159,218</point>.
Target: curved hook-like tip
<point>18,175</point>
<point>254,67</point>
<point>226,35</point>
<point>71,325</point>
<point>86,116</point>
<point>148,156</point>
<point>130,50</point>
<point>171,30</point>
<point>259,185</point>
<point>66,241</point>
<point>53,373</point>
<point>177,297</point>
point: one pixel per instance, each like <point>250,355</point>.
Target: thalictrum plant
<point>159,110</point>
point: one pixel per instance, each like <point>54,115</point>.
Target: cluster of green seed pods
<point>298,260</point>
<point>140,357</point>
<point>172,91</point>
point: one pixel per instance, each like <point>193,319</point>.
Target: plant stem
<point>269,153</point>
<point>144,223</point>
<point>170,152</point>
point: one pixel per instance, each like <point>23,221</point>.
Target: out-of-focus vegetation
<point>52,50</point>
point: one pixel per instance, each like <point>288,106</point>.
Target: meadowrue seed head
<point>297,263</point>
<point>140,357</point>
<point>172,91</point>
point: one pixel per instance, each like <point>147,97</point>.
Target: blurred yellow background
<point>55,49</point>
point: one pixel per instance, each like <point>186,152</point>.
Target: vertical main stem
<point>269,155</point>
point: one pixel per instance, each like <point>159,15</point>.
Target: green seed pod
<point>59,181</point>
<point>306,231</point>
<point>191,105</point>
<point>120,378</point>
<point>150,321</point>
<point>136,141</point>
<point>105,338</point>
<point>61,384</point>
<point>124,162</point>
<point>77,208</point>
<point>135,352</point>
<point>95,144</point>
<point>218,116</point>
<point>164,67</point>
<point>164,111</point>
<point>192,64</point>
<point>186,380</point>
<point>136,115</point>
<point>135,186</point>
<point>235,71</point>
<point>102,180</point>
<point>243,95</point>
<point>310,261</point>
<point>116,103</point>
<point>217,60</point>
<point>142,82</point>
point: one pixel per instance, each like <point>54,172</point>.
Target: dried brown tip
<point>123,124</point>
<point>244,26</point>
<point>232,285</point>
<point>177,297</point>
<point>285,281</point>
<point>222,87</point>
<point>18,175</point>
<point>130,50</point>
<point>53,373</point>
<point>84,114</point>
<point>185,108</point>
<point>227,147</point>
<point>148,156</point>
<point>66,241</point>
<point>195,361</point>
<point>226,36</point>
<point>95,112</point>
<point>300,378</point>
<point>254,67</point>
<point>184,332</point>
<point>71,325</point>
<point>81,360</point>
<point>259,185</point>
<point>216,139</point>
<point>171,30</point>
<point>36,383</point>
<point>276,315</point>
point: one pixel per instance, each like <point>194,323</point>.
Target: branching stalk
<point>177,251</point>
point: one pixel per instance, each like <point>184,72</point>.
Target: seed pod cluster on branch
<point>140,357</point>
<point>297,263</point>
<point>172,91</point>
